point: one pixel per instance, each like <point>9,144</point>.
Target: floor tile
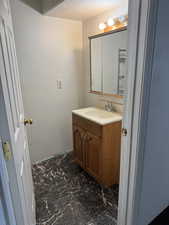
<point>66,195</point>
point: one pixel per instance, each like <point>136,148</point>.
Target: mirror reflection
<point>108,62</point>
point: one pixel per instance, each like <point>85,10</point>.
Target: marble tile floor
<point>67,195</point>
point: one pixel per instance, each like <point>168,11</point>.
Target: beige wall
<point>48,49</point>
<point>90,27</point>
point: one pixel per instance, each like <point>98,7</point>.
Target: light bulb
<point>110,22</point>
<point>102,26</point>
<point>125,23</point>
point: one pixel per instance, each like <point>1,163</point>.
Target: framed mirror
<point>108,63</point>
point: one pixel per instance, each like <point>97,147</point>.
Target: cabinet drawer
<point>88,125</point>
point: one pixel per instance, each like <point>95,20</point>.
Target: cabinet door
<point>92,149</point>
<point>78,136</point>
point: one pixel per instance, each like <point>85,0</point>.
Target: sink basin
<point>99,116</point>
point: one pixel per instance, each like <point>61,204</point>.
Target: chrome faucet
<point>109,106</point>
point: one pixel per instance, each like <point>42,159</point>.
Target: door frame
<point>142,28</point>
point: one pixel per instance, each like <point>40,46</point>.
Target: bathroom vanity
<point>97,138</point>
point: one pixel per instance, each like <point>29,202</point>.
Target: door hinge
<point>124,132</point>
<point>7,150</point>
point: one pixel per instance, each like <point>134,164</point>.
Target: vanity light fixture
<point>102,26</point>
<point>114,23</point>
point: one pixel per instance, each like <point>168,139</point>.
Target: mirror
<point>108,63</point>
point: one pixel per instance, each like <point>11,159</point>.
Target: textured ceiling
<point>85,9</point>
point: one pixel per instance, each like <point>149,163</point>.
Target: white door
<point>6,207</point>
<point>15,114</point>
<point>2,214</point>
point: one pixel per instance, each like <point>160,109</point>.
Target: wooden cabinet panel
<point>78,135</point>
<point>88,125</point>
<point>92,149</point>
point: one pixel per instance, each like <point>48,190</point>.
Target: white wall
<point>155,181</point>
<point>90,28</point>
<point>48,49</point>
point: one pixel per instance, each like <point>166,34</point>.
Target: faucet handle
<point>106,107</point>
<point>111,106</point>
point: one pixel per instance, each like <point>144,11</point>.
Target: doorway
<point>53,172</point>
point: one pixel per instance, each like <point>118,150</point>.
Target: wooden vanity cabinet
<point>97,149</point>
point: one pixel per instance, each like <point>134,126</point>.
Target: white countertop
<point>97,115</point>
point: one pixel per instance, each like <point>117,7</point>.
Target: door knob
<point>28,121</point>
